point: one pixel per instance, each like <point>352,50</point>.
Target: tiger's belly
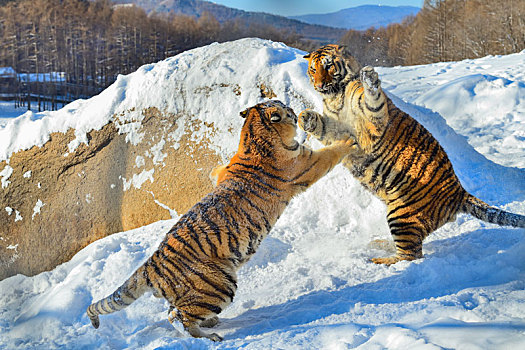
<point>367,175</point>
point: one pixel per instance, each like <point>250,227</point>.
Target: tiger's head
<point>267,137</point>
<point>330,68</point>
<point>269,128</point>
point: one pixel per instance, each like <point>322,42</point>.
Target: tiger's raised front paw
<point>308,120</point>
<point>370,79</point>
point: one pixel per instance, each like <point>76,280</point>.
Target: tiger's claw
<point>370,79</point>
<point>308,120</point>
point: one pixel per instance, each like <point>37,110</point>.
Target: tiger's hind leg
<point>210,322</point>
<point>207,323</point>
<point>193,323</point>
<point>211,287</point>
<point>408,235</point>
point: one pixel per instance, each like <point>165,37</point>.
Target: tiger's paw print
<point>370,79</point>
<point>308,120</point>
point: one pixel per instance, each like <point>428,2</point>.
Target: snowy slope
<point>483,99</point>
<point>311,284</point>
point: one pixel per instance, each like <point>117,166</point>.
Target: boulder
<point>55,202</point>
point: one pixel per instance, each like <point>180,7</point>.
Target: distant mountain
<point>197,8</point>
<point>361,17</point>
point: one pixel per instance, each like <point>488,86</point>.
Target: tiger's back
<point>195,266</point>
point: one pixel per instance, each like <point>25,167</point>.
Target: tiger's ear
<point>343,51</point>
<point>244,113</point>
<point>352,63</point>
<point>307,56</point>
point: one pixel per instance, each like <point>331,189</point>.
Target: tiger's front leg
<point>370,80</point>
<point>326,130</point>
<point>374,97</point>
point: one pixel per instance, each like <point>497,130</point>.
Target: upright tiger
<point>194,268</point>
<point>399,160</point>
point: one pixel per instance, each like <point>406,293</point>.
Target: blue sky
<point>301,7</point>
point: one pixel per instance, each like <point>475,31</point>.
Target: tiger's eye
<point>275,117</point>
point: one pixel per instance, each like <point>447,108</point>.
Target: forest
<point>444,30</point>
<point>93,42</point>
<point>86,44</point>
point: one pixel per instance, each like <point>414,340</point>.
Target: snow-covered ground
<point>8,111</point>
<point>310,285</point>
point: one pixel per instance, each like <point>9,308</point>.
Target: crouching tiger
<point>195,266</point>
<point>399,160</point>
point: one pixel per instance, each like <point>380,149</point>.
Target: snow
<point>8,111</point>
<point>156,151</point>
<point>42,77</point>
<point>139,179</point>
<point>310,284</point>
<point>36,209</point>
<point>18,217</point>
<point>7,72</point>
<point>6,174</point>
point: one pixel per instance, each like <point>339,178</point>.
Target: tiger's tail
<point>481,210</point>
<point>125,295</point>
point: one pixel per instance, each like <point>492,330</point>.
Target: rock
<point>66,201</point>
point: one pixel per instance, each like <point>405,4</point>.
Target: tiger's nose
<point>319,85</point>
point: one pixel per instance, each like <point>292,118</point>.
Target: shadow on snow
<point>484,257</point>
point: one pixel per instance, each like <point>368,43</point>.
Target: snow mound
<point>311,284</point>
<point>471,104</point>
<point>208,83</point>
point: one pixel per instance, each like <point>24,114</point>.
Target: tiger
<point>194,267</point>
<point>398,160</point>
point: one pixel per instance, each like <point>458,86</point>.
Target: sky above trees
<point>301,7</point>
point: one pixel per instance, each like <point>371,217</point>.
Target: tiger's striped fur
<point>399,160</point>
<point>195,266</point>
